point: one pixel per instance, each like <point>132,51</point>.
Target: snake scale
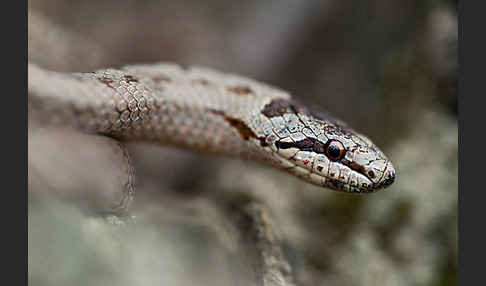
<point>205,110</point>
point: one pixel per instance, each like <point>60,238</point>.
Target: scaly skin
<point>208,111</point>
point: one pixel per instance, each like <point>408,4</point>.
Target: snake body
<point>205,110</point>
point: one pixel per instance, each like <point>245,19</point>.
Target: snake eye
<point>335,150</point>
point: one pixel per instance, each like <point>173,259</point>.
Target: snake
<point>205,110</point>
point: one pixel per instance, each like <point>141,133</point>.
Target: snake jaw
<point>318,170</point>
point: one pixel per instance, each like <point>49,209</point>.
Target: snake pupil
<point>335,150</point>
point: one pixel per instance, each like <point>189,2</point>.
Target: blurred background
<point>386,67</point>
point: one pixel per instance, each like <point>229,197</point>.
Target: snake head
<point>326,152</point>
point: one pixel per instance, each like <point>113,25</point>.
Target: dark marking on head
<point>130,78</point>
<point>240,90</point>
<point>278,107</point>
<point>319,147</point>
<point>284,145</point>
<point>308,144</point>
<point>319,168</point>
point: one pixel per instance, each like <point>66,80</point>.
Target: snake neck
<point>132,107</point>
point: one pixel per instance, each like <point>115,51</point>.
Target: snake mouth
<point>346,181</point>
<point>347,176</point>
